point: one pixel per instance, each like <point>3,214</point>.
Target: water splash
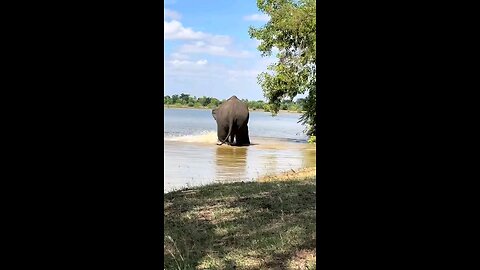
<point>206,136</point>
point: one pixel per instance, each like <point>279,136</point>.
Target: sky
<point>208,51</point>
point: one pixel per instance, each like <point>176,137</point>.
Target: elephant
<point>232,122</point>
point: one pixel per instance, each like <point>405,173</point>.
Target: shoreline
<point>207,108</point>
<point>288,175</point>
<point>285,176</point>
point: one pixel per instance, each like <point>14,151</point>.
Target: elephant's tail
<point>230,127</point>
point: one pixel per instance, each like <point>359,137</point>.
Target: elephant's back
<point>234,109</point>
<point>241,110</point>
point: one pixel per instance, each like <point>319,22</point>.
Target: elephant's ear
<point>214,114</point>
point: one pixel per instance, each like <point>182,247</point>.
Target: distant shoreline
<point>207,108</point>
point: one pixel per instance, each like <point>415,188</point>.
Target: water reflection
<point>198,163</point>
<point>309,156</point>
<point>231,163</point>
<point>271,163</point>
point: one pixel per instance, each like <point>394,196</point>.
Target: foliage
<point>185,100</point>
<point>291,30</point>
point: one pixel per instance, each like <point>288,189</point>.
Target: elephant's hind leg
<point>242,136</point>
<point>222,134</point>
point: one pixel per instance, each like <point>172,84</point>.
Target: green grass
<point>254,225</point>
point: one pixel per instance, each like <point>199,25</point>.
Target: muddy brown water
<point>192,158</point>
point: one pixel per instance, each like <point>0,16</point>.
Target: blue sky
<point>208,51</point>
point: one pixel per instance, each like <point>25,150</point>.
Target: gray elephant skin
<point>232,122</point>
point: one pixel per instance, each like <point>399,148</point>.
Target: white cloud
<point>168,13</point>
<point>179,56</point>
<point>214,79</point>
<point>175,30</point>
<point>220,40</point>
<point>203,47</point>
<point>257,17</point>
<point>177,62</point>
<point>201,42</point>
<point>191,71</point>
<point>244,73</point>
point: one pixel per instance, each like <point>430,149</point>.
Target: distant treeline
<point>185,100</point>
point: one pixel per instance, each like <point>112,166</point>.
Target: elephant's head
<point>214,114</point>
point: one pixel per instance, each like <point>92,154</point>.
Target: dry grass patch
<point>255,225</point>
<point>292,175</point>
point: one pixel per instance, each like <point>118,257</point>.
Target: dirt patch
<point>291,175</point>
<point>303,259</point>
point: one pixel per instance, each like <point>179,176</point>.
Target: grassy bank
<point>268,224</point>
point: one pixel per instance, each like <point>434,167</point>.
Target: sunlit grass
<point>254,225</point>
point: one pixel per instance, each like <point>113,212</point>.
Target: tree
<point>291,29</point>
<point>174,99</point>
<point>214,102</point>
<point>204,101</point>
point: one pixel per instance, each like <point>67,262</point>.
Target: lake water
<point>192,157</point>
